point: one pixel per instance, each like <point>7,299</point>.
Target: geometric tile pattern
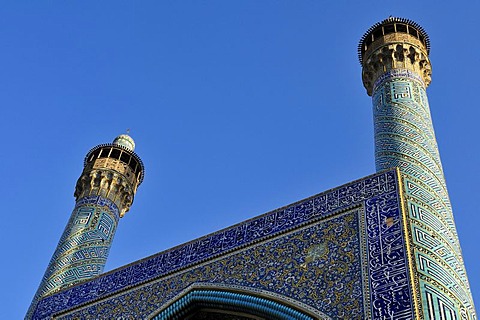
<point>316,256</point>
<point>83,248</point>
<point>404,138</point>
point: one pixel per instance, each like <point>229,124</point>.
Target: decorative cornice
<point>396,55</point>
<point>109,182</point>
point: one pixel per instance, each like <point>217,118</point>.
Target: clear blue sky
<point>237,108</point>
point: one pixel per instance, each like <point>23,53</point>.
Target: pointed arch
<point>229,303</point>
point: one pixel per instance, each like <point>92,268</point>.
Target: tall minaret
<point>396,73</point>
<point>104,193</point>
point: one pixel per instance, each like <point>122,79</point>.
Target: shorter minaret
<point>104,193</point>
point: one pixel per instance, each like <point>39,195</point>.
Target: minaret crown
<point>394,43</point>
<point>112,171</point>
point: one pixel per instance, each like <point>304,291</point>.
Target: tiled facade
<point>336,255</point>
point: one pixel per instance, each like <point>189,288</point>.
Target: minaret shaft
<point>396,72</point>
<point>84,246</point>
<point>404,135</point>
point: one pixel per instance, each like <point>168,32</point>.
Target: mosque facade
<point>382,247</point>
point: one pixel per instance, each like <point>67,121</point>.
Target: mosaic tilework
<point>404,138</point>
<point>315,254</point>
<point>83,248</point>
<point>330,283</point>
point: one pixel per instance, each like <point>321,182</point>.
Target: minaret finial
<point>125,140</point>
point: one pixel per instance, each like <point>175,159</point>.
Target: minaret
<point>104,193</point>
<point>396,72</point>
